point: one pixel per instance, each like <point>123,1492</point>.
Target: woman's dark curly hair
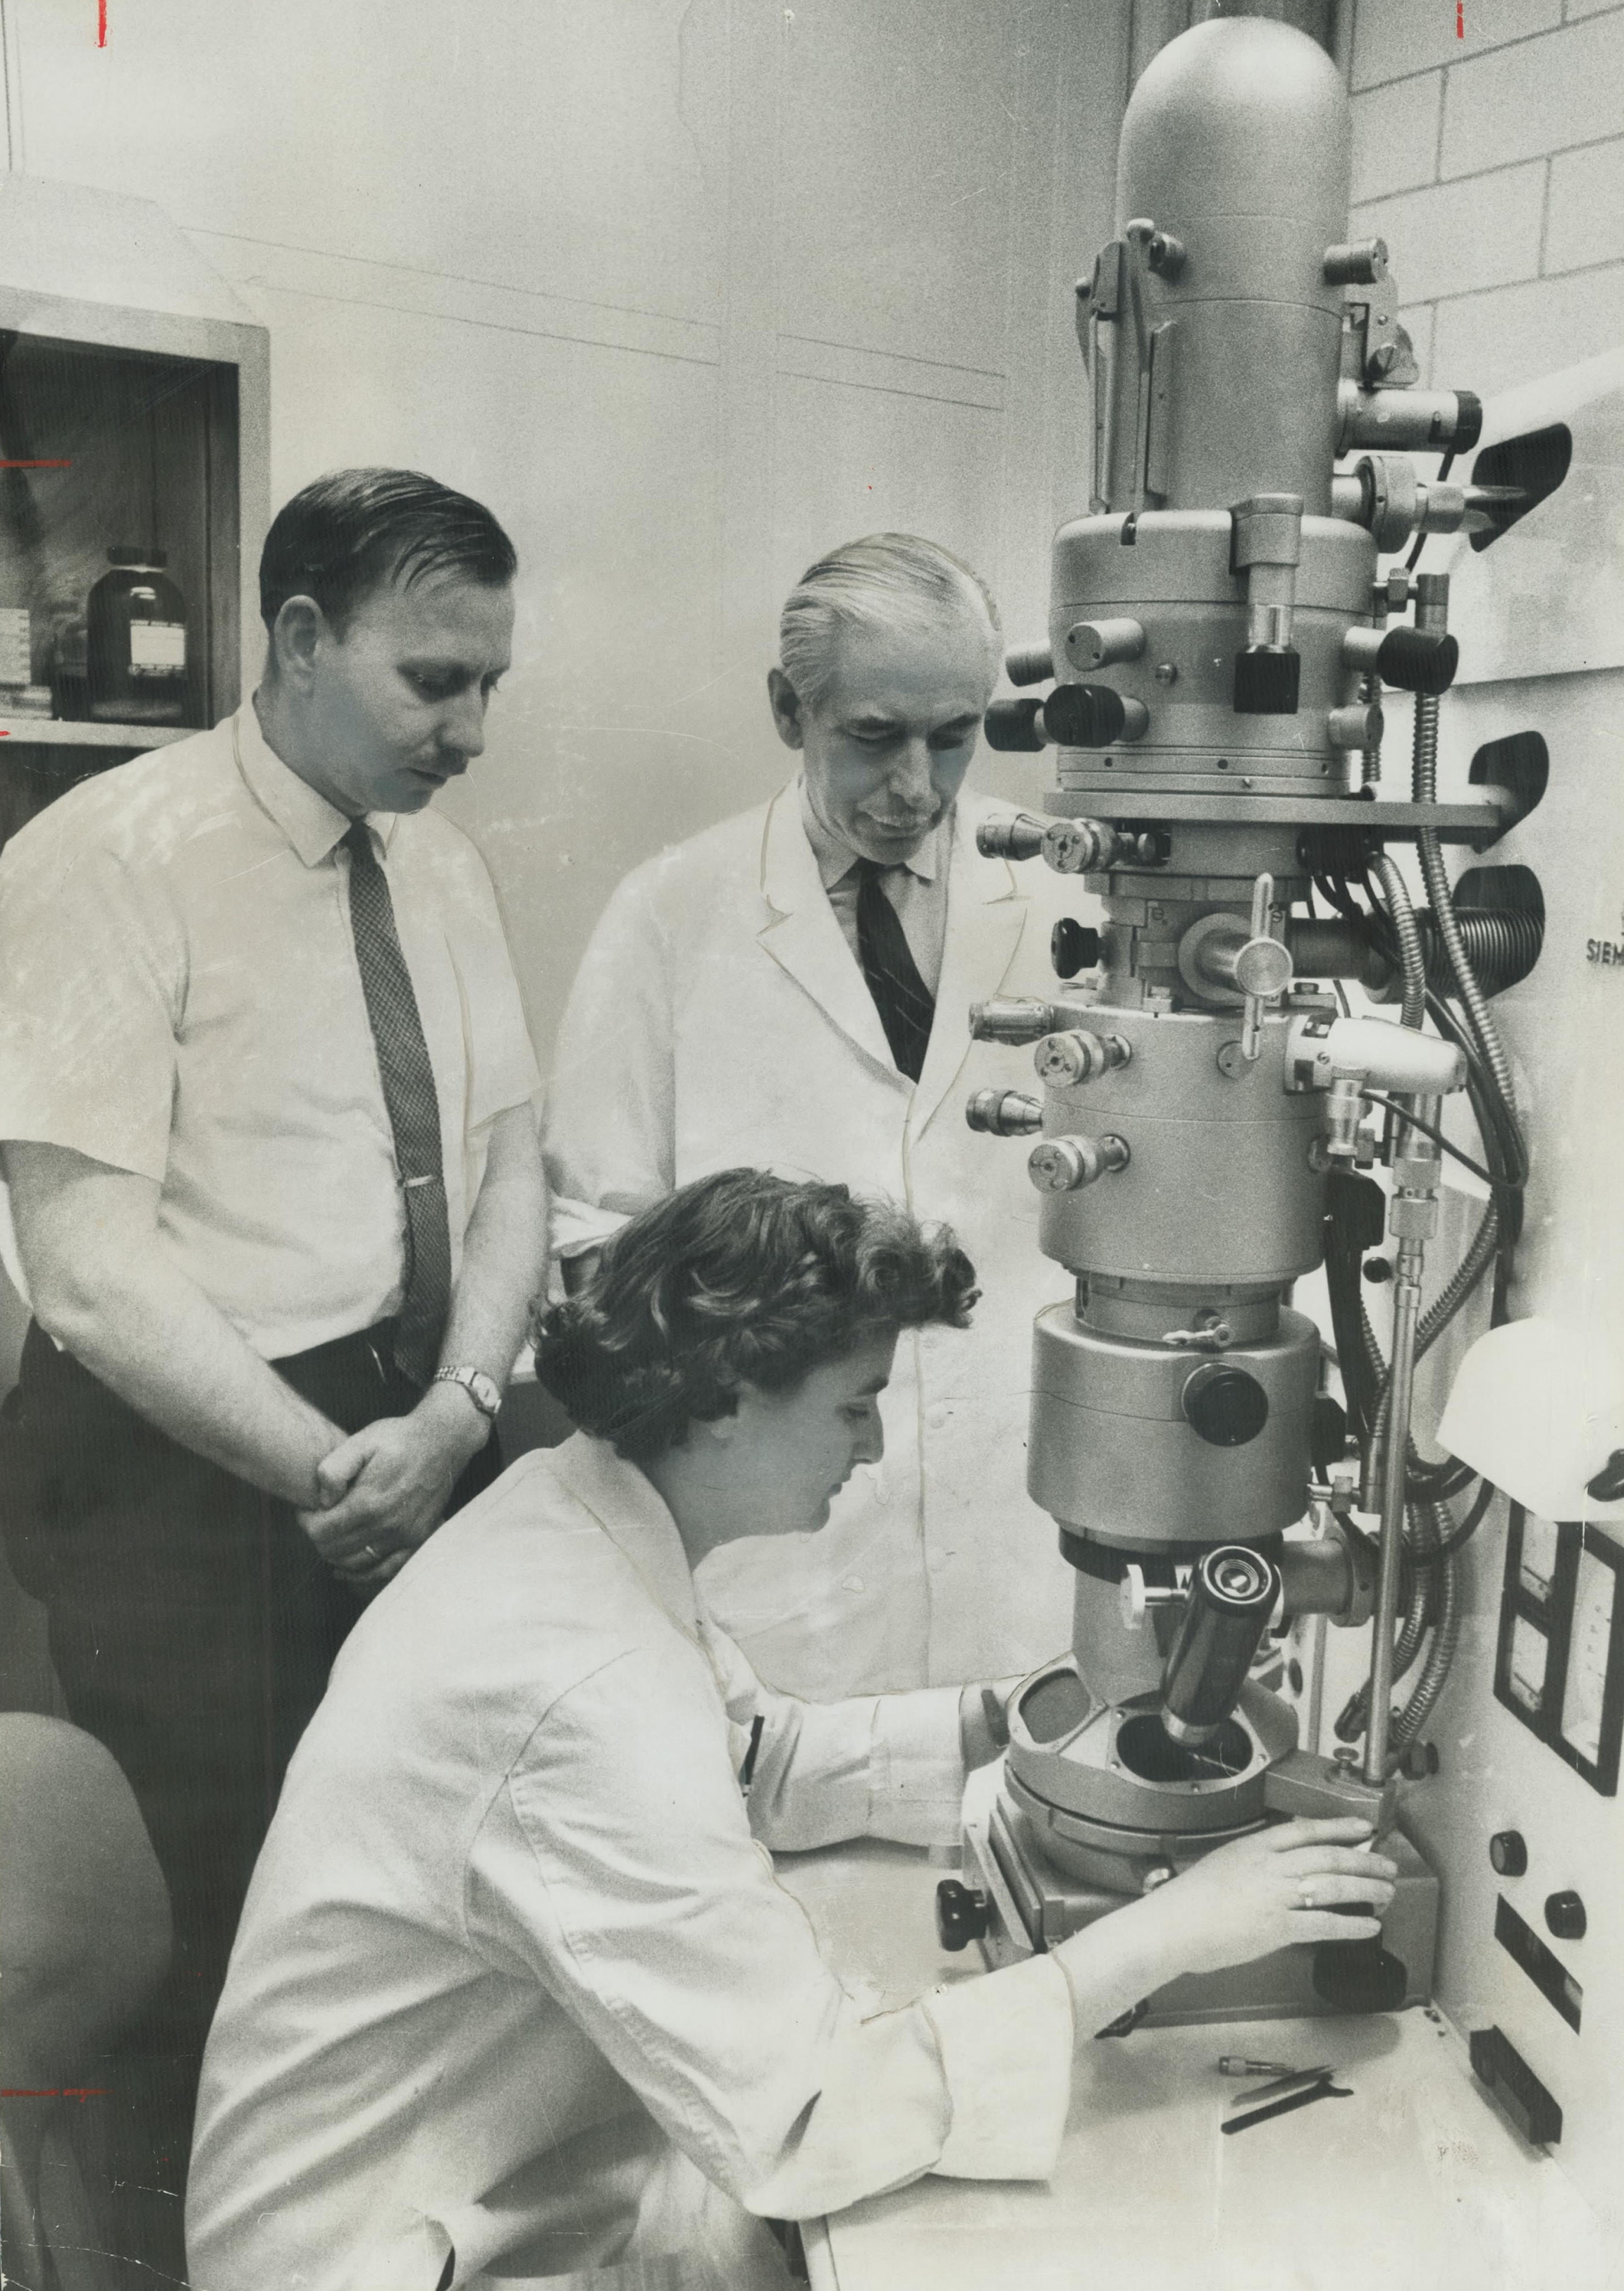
<point>740,1278</point>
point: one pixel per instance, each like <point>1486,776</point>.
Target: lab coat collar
<point>311,825</point>
<point>635,1517</point>
<point>986,913</point>
<point>803,936</point>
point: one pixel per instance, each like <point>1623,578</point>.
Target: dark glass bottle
<point>137,642</point>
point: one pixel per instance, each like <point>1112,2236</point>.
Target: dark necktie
<point>413,1108</point>
<point>906,1004</point>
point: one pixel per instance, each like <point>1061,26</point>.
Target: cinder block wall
<point>1489,153</point>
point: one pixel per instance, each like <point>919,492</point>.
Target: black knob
<point>1225,1406</point>
<point>1417,660</point>
<point>1565,1916</point>
<point>962,1914</point>
<point>1072,946</point>
<point>1267,679</point>
<point>1084,715</point>
<point>1607,1485</point>
<point>1508,1853</point>
<point>1468,421</point>
<point>1014,727</point>
<point>1376,1270</point>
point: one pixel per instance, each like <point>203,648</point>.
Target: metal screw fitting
<point>1015,1019</point>
<point>1004,1113</point>
<point>1065,1059</point>
<point>1065,1165</point>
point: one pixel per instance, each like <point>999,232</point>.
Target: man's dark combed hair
<point>740,1278</point>
<point>356,530</point>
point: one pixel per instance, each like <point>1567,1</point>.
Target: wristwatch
<point>481,1389</point>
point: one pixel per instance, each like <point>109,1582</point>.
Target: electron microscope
<point>1283,1038</point>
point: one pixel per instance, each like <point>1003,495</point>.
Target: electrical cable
<point>1407,934</point>
<point>1429,1130</point>
<point>1441,1653</point>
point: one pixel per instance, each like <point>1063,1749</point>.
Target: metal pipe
<point>1406,1317</point>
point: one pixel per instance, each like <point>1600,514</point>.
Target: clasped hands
<point>384,1489</point>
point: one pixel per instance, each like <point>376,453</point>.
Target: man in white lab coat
<point>791,989</point>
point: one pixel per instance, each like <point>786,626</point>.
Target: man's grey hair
<point>885,581</point>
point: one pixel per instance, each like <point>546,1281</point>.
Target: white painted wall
<point>1493,165</point>
<point>688,290</point>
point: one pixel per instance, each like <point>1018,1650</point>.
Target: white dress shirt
<point>180,998</point>
<point>514,1961</point>
<point>916,887</point>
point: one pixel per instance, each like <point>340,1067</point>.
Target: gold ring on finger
<point>1304,1897</point>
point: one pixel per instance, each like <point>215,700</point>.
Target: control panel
<point>1560,1661</point>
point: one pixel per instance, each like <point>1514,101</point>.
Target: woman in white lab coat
<point>516,1996</point>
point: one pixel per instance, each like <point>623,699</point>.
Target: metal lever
<point>1262,969</point>
<point>1209,1334</point>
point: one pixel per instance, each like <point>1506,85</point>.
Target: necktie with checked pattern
<point>413,1108</point>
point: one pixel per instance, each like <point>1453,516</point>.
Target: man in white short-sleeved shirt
<point>265,1091</point>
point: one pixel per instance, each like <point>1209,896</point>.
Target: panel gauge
<point>1559,1666</point>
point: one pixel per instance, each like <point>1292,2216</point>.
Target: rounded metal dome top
<point>1240,115</point>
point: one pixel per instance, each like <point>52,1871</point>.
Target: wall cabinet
<point>134,487</point>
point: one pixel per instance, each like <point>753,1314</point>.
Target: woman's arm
<point>617,1863</point>
<point>872,1765</point>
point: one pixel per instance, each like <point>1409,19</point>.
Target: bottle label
<point>157,648</point>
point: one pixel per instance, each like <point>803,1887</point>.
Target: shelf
<point>49,732</point>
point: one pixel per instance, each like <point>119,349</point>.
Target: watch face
<point>480,1388</point>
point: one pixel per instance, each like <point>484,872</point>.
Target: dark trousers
<point>192,1624</point>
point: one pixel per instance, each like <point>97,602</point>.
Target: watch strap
<point>480,1388</point>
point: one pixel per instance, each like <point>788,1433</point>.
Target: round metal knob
<point>1015,727</point>
<point>1508,1853</point>
<point>1565,1916</point>
<point>1355,726</point>
<point>1093,716</point>
<point>1065,1059</point>
<point>1065,1165</point>
<point>1263,966</point>
<point>1032,664</point>
<point>963,1913</point>
<point>1225,1406</point>
<point>1097,644</point>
